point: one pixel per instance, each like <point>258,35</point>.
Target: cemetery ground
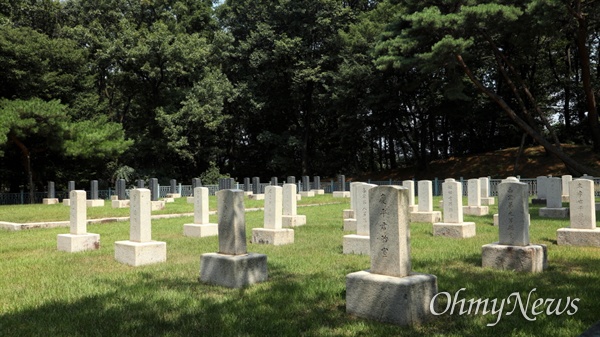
<point>44,292</point>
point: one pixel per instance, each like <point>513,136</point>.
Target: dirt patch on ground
<point>497,164</point>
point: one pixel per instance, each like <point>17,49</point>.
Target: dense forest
<point>176,88</point>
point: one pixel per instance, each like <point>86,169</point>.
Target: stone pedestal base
<point>341,194</point>
<point>532,258</point>
<point>67,202</point>
<point>247,193</point>
<point>413,208</point>
<point>396,300</point>
<point>431,217</point>
<point>256,196</point>
<point>276,237</point>
<point>557,213</point>
<point>298,197</point>
<point>350,225</point>
<point>190,200</point>
<point>293,220</point>
<point>140,253</point>
<point>488,201</point>
<point>114,197</point>
<point>168,199</point>
<point>233,271</point>
<point>157,205</point>
<point>50,201</point>
<point>200,230</point>
<point>119,203</point>
<point>356,244</point>
<point>496,223</point>
<point>454,230</point>
<point>318,192</point>
<point>476,210</point>
<point>174,195</point>
<point>95,203</point>
<point>307,194</point>
<point>77,242</point>
<point>565,198</point>
<point>578,237</point>
<point>348,214</point>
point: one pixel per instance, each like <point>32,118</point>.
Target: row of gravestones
<point>389,291</point>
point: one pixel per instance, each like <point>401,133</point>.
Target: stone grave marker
<point>410,185</point>
<point>583,230</point>
<point>554,208</point>
<point>306,190</point>
<point>273,232</point>
<point>78,239</point>
<point>51,195</point>
<point>359,243</point>
<point>256,190</point>
<point>425,212</point>
<point>566,180</point>
<point>201,226</point>
<point>70,187</point>
<point>474,206</point>
<point>290,216</point>
<point>486,199</point>
<point>453,224</point>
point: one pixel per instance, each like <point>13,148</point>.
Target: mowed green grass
<point>44,292</point>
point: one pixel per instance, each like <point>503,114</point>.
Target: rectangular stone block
<point>201,205</point>
<point>140,229</point>
<point>430,217</point>
<point>554,213</point>
<point>200,230</point>
<point>256,196</point>
<point>578,237</point>
<point>290,203</point>
<point>233,271</point>
<point>173,195</point>
<point>513,213</point>
<point>140,253</point>
<point>157,205</point>
<point>452,193</point>
<point>232,222</point>
<point>348,214</point>
<point>269,236</point>
<point>425,193</point>
<point>476,210</point>
<point>273,207</point>
<point>350,225</point>
<point>307,194</point>
<point>542,187</point>
<point>95,203</point>
<point>473,193</point>
<point>356,244</point>
<point>341,194</point>
<point>566,182</point>
<point>553,192</point>
<point>529,258</point>
<point>361,212</point>
<point>77,242</point>
<point>318,192</point>
<point>388,299</point>
<point>120,203</point>
<point>50,201</point>
<point>293,220</point>
<point>78,212</point>
<point>488,201</point>
<point>454,230</point>
<point>410,185</point>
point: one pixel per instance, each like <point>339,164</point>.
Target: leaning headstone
<point>256,190</point>
<point>121,201</point>
<point>140,249</point>
<point>94,200</point>
<point>273,232</point>
<point>290,216</point>
<point>541,188</point>
<point>51,196</point>
<point>232,266</point>
<point>513,251</point>
<point>565,180</point>
<point>359,243</point>
<point>474,206</point>
<point>306,191</point>
<point>70,187</point>
<point>583,230</point>
<point>554,208</point>
<point>201,226</point>
<point>78,239</point>
<point>341,185</point>
<point>316,188</point>
<point>410,185</point>
<point>173,193</point>
<point>453,224</point>
<point>484,184</point>
<point>425,212</point>
<point>390,292</point>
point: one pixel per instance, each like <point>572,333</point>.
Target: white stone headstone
<point>513,213</point>
<point>582,205</point>
<point>353,196</point>
<point>140,211</point>
<point>542,187</point>
<point>452,193</point>
<point>273,207</point>
<point>201,205</point>
<point>389,231</point>
<point>78,212</point>
<point>290,201</point>
<point>410,185</point>
<point>362,211</point>
<point>484,184</point>
<point>473,192</point>
<point>566,180</point>
<point>554,192</point>
<point>425,196</point>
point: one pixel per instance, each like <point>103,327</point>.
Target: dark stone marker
<point>173,186</point>
<point>274,181</point>
<point>121,192</point>
<point>140,183</point>
<point>51,191</point>
<point>306,183</point>
<point>342,183</point>
<point>247,185</point>
<point>317,182</point>
<point>154,192</point>
<point>71,186</point>
<point>94,190</point>
<point>291,180</point>
<point>196,182</point>
<point>256,185</point>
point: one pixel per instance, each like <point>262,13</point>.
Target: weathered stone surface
<point>452,194</point>
<point>582,206</point>
<point>94,203</point>
<point>473,193</point>
<point>513,213</point>
<point>395,300</point>
<point>454,230</point>
<point>555,213</point>
<point>431,217</point>
<point>273,207</point>
<point>476,210</point>
<point>529,258</point>
<point>232,222</point>
<point>356,244</point>
<point>341,194</point>
<point>293,220</point>
<point>141,227</point>
<point>350,225</point>
<point>233,271</point>
<point>140,253</point>
<point>78,212</point>
<point>200,231</point>
<point>410,185</point>
<point>578,237</point>
<point>269,236</point>
<point>72,243</point>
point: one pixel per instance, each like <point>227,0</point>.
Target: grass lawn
<point>44,292</point>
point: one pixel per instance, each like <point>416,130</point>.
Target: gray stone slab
<point>232,222</point>
<point>529,258</point>
<point>233,271</point>
<point>582,205</point>
<point>513,213</point>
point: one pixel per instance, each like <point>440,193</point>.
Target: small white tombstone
<point>232,266</point>
<point>359,243</point>
<point>349,215</point>
<point>290,216</point>
<point>140,249</point>
<point>425,212</point>
<point>554,207</point>
<point>453,224</point>
<point>566,181</point>
<point>513,251</point>
<point>273,232</point>
<point>390,292</point>
<point>201,226</point>
<point>474,206</point>
<point>486,199</point>
<point>410,185</point>
<point>583,230</point>
<point>78,239</point>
